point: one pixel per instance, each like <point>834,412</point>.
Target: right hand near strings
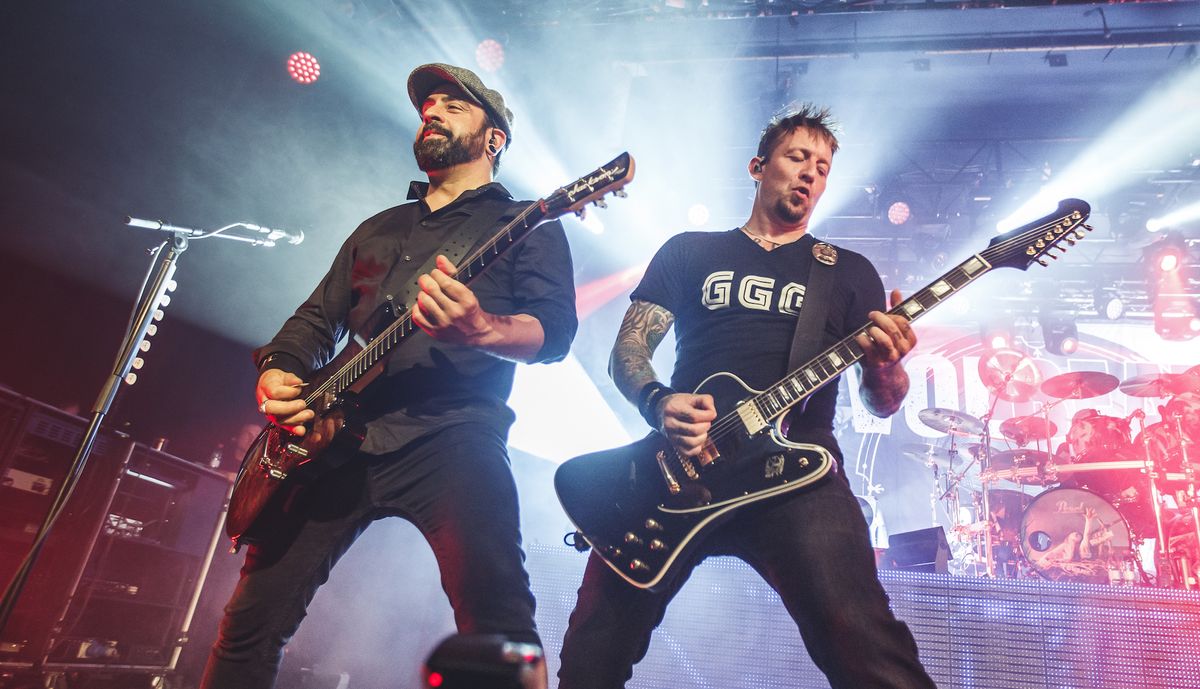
<point>277,395</point>
<point>685,421</point>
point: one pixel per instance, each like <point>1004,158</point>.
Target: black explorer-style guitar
<point>643,507</point>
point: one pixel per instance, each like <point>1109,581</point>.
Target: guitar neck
<point>829,364</point>
<point>403,326</point>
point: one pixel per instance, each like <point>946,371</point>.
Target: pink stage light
<point>489,55</point>
<point>303,68</point>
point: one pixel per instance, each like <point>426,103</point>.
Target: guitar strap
<point>469,235</point>
<point>810,335</point>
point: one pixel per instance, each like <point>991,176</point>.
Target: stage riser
<point>728,630</point>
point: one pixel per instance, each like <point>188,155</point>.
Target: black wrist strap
<point>648,398</point>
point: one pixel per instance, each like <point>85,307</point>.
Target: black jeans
<point>456,486</point>
<point>812,547</point>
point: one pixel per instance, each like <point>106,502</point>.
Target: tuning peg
<point>172,285</point>
<point>152,329</point>
<point>1043,262</point>
<point>581,213</point>
<point>164,300</point>
<point>600,203</point>
<point>158,314</point>
<point>130,378</point>
<point>620,193</point>
<point>1088,227</point>
<point>144,345</point>
<point>138,362</point>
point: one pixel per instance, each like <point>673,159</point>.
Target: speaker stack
<point>115,587</point>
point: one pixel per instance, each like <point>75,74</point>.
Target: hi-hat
<point>1010,375</point>
<point>1022,429</point>
<point>950,421</point>
<point>963,466</point>
<point>1014,459</point>
<point>1156,385</point>
<point>1079,385</point>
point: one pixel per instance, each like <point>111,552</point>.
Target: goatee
<point>447,151</point>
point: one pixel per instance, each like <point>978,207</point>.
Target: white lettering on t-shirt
<point>754,292</point>
<point>716,290</point>
<point>791,298</point>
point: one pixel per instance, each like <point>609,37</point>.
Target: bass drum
<point>1071,534</point>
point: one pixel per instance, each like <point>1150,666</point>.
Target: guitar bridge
<point>672,482</point>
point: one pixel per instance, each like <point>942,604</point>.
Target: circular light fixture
<point>303,68</point>
<point>489,55</point>
<point>898,213</point>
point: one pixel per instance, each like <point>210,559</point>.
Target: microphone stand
<point>141,324</point>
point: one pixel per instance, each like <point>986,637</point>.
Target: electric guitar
<point>278,464</point>
<point>644,507</point>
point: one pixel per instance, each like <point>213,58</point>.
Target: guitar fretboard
<point>830,363</point>
<point>404,326</point>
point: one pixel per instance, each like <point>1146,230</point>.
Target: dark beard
<point>439,154</point>
<point>790,213</point>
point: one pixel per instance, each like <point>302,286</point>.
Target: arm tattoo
<point>641,332</point>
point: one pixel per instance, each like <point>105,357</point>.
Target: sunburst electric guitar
<point>279,464</point>
<point>643,507</point>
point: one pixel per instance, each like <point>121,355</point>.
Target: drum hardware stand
<point>1163,570</point>
<point>1189,473</point>
<point>986,464</point>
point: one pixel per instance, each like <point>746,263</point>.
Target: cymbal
<point>1079,385</point>
<point>963,466</point>
<point>1155,385</point>
<point>1022,429</point>
<point>950,421</point>
<point>1010,375</point>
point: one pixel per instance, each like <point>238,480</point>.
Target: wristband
<point>648,398</point>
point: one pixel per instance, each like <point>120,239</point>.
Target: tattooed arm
<point>644,327</point>
<point>683,417</point>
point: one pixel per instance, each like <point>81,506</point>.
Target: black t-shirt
<point>735,306</point>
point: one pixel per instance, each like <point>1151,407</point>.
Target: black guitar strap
<point>472,233</point>
<point>810,337</point>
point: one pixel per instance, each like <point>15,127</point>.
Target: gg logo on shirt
<point>753,292</point>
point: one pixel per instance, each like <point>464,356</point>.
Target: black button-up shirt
<point>429,384</point>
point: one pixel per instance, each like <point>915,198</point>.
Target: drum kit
<point>1089,510</point>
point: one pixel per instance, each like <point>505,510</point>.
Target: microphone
<point>160,225</point>
<point>275,234</point>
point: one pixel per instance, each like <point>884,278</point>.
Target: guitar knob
<point>632,539</point>
<point>638,566</point>
<point>657,545</point>
<point>653,525</point>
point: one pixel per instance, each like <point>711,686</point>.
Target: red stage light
<point>435,679</point>
<point>898,213</point>
<point>303,68</point>
<point>489,55</point>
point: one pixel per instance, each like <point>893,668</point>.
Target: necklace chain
<point>759,239</point>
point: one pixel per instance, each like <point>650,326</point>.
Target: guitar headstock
<point>1021,247</point>
<point>591,188</point>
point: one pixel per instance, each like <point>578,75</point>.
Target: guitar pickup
<point>297,450</point>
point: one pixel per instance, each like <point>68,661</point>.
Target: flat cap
<point>426,78</point>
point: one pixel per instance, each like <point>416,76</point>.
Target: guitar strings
<point>405,320</point>
<point>731,422</point>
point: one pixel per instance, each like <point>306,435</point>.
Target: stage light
<point>489,55</point>
<point>1167,253</point>
<point>698,215</point>
<point>996,335</point>
<point>899,212</point>
<point>303,68</point>
<point>1175,218</point>
<point>1108,304</point>
<point>1060,333</point>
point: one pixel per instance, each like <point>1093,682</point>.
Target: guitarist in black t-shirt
<point>734,298</point>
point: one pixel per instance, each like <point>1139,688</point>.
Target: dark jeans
<point>456,486</point>
<point>812,547</point>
